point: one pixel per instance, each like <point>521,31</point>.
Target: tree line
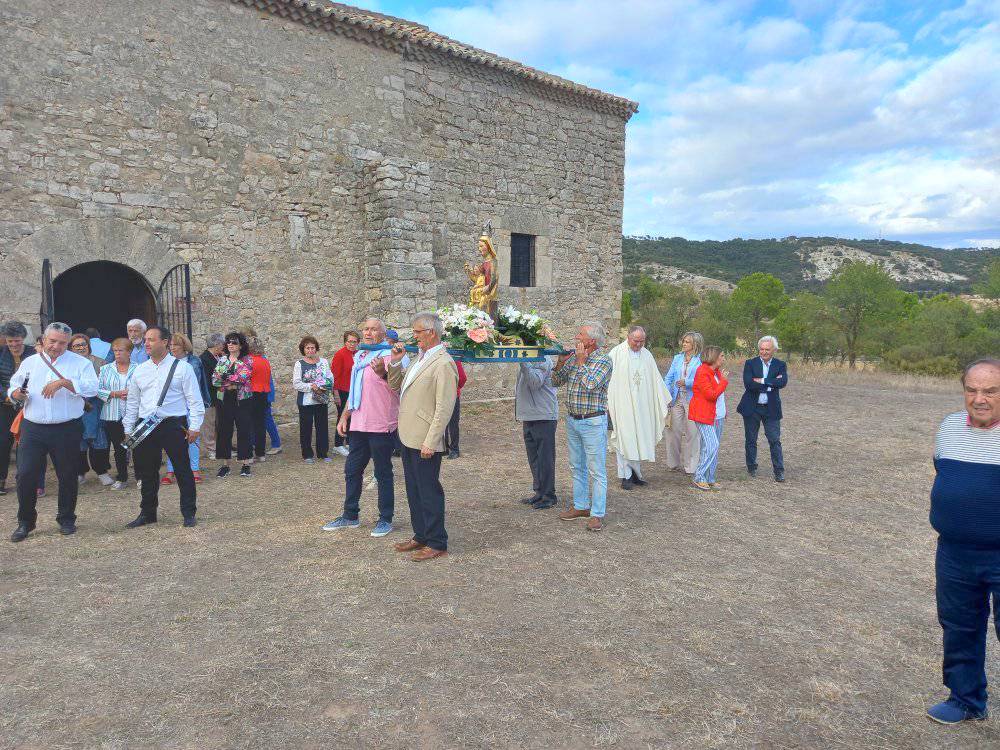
<point>859,314</point>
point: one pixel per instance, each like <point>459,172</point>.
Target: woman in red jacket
<point>708,411</point>
<point>340,366</point>
<point>260,387</point>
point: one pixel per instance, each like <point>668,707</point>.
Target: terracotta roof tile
<point>401,31</point>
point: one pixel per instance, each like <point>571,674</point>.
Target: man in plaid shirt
<point>586,380</point>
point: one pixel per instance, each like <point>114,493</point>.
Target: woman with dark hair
<point>340,366</point>
<point>232,379</point>
<point>312,378</point>
<point>94,444</point>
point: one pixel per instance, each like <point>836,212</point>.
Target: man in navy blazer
<point>763,378</point>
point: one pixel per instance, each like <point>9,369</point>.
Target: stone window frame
<point>543,256</point>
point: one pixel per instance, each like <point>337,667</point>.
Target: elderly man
<point>54,386</point>
<point>215,347</point>
<point>638,403</point>
<point>11,355</point>
<point>136,330</point>
<point>167,387</point>
<point>428,390</point>
<point>369,419</point>
<point>536,407</point>
<point>965,512</point>
<point>586,380</point>
<point>763,379</point>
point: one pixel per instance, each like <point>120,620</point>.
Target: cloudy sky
<point>768,118</point>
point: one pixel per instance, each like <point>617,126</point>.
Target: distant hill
<point>800,262</point>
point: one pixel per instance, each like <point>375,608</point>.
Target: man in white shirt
<point>181,413</point>
<point>53,405</point>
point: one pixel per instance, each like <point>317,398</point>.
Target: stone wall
<point>306,177</point>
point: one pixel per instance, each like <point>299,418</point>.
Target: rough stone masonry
<point>310,162</point>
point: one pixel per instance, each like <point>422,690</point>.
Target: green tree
<point>714,321</point>
<point>863,297</point>
<point>990,286</point>
<point>757,298</point>
<point>669,314</point>
<point>805,326</point>
<point>627,316</point>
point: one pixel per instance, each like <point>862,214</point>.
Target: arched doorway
<point>103,295</point>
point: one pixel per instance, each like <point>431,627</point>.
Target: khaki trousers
<point>682,439</point>
<point>208,430</point>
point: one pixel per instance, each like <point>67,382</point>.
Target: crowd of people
<point>220,401</point>
<point>74,398</point>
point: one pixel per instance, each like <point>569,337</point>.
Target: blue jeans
<point>588,453</point>
<point>194,453</point>
<point>966,578</point>
<point>708,460</point>
<point>272,428</point>
<point>364,447</point>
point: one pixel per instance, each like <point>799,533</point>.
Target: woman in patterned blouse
<point>112,389</point>
<point>232,378</point>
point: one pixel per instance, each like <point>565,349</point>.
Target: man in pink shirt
<point>370,416</point>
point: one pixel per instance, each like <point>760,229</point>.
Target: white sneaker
<point>105,479</point>
<point>82,478</point>
<point>274,451</point>
<point>211,456</point>
<point>341,450</point>
<point>118,485</point>
<point>138,483</point>
<point>260,459</point>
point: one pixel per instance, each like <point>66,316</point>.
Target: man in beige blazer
<point>428,389</point>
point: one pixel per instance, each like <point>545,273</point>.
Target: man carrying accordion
<point>163,413</point>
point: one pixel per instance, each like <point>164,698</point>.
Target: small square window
<point>522,260</point>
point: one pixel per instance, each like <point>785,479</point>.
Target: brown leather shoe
<point>408,546</point>
<point>427,553</point>
<point>594,524</point>
<point>572,514</point>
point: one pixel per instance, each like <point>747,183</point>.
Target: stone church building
<point>290,165</point>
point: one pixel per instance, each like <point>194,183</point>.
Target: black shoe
<point>245,471</point>
<point>752,472</point>
<point>140,520</point>
<point>543,503</point>
<point>67,528</point>
<point>639,482</point>
<point>223,472</point>
<point>530,500</point>
<point>21,532</point>
<point>454,454</point>
<point>779,477</point>
<point>190,521</point>
<point>627,484</point>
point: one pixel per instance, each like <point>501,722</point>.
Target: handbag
<point>145,427</point>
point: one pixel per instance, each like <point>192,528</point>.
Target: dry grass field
<point>773,616</point>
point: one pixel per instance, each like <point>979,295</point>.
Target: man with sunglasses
<point>58,383</point>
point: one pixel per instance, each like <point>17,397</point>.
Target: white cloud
<point>826,121</point>
<point>778,37</point>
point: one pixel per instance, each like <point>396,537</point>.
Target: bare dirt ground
<point>763,615</point>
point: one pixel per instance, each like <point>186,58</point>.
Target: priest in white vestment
<point>638,403</point>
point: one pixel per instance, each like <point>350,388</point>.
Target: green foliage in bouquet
<point>527,327</point>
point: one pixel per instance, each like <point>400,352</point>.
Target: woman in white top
<point>112,389</point>
<point>312,378</point>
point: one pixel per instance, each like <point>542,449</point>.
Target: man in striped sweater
<point>965,511</point>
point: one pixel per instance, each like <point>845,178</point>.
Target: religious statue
<point>484,276</point>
